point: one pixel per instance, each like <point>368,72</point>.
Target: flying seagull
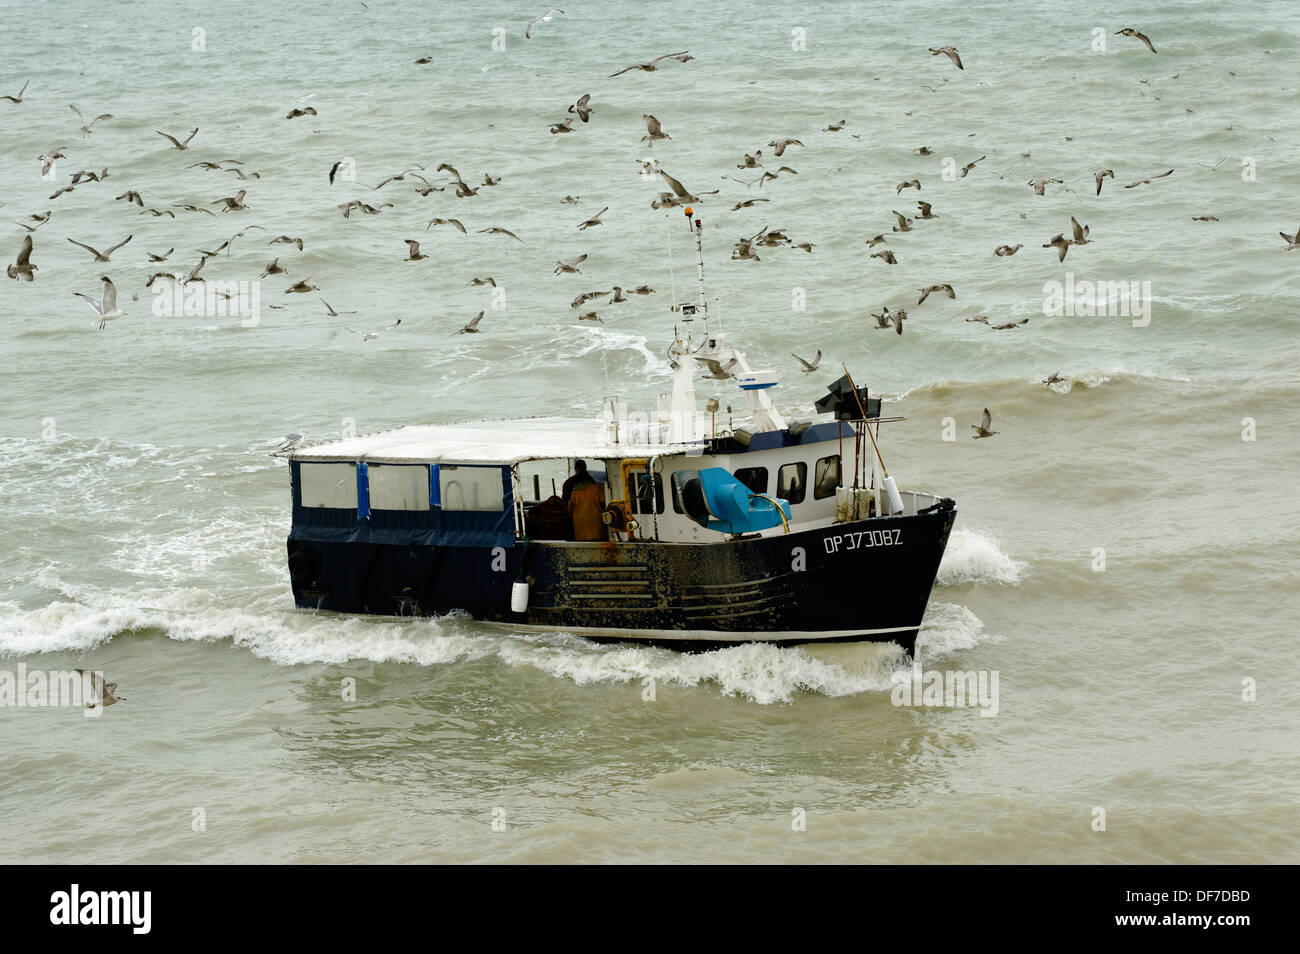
<point>653,64</point>
<point>809,366</point>
<point>1147,180</point>
<point>1129,31</point>
<point>544,18</point>
<point>22,269</point>
<point>950,52</point>
<point>19,97</point>
<point>102,695</point>
<point>581,108</point>
<point>106,308</point>
<point>176,142</point>
<point>472,327</point>
<point>982,428</point>
<point>102,256</point>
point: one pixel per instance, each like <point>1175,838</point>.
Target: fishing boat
<point>717,526</point>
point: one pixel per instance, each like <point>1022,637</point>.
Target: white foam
<point>974,556</point>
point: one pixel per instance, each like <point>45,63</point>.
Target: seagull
<point>295,112</point>
<point>454,222</point>
<point>1009,324</point>
<point>1292,242</point>
<point>745,251</point>
<point>950,52</point>
<point>301,287</point>
<point>1147,180</point>
<point>19,97</point>
<point>681,191</point>
<point>498,230</point>
<point>809,366</point>
<point>946,289</point>
<point>594,220</point>
<point>414,254</point>
<point>489,280</point>
<point>586,297</point>
<point>982,428</point>
<point>274,269</point>
<point>925,211</point>
<point>472,327</point>
<point>286,240</point>
<point>751,161</point>
<point>1053,378</point>
<point>590,316</point>
<point>1040,185</point>
<point>154,257</point>
<point>233,203</point>
<point>982,319</point>
<point>544,18</point>
<point>1003,250</point>
<point>581,108</point>
<point>655,131</point>
<point>102,256</point>
<point>873,242</point>
<point>889,318</point>
<point>329,310</point>
<point>570,266</point>
<point>718,371</point>
<point>836,127</point>
<point>971,165</point>
<point>904,223</point>
<point>1080,232</point>
<point>909,184</point>
<point>617,295</point>
<point>47,160</point>
<point>780,145</point>
<point>1129,31</point>
<point>102,694</point>
<point>291,441</point>
<point>193,276</point>
<point>652,65</point>
<point>1060,243</point>
<point>564,127</point>
<point>22,268</point>
<point>885,256</point>
<point>86,127</point>
<point>1104,173</point>
<point>747,204</point>
<point>371,335</point>
<point>643,290</point>
<point>131,196</point>
<point>106,307</point>
<point>176,142</point>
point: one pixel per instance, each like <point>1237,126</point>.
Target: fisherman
<point>585,501</point>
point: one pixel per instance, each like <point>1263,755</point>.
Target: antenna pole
<point>698,229</point>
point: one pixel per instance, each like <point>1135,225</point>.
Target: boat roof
<point>486,442</point>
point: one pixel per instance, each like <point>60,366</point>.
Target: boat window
<point>755,478</point>
<point>399,486</point>
<point>328,485</point>
<point>678,481</point>
<point>827,477</point>
<point>792,482</point>
<point>646,493</point>
<point>469,488</point>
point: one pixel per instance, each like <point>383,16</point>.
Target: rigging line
<point>672,274</point>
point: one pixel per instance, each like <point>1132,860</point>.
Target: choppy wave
<point>975,556</point>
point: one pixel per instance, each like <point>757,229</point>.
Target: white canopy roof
<point>486,442</point>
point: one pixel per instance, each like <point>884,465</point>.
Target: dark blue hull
<point>868,580</point>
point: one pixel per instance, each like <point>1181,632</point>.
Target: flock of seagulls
<point>583,111</point>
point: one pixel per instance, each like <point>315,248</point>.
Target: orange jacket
<point>586,504</point>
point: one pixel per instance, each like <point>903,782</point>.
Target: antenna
<point>697,228</point>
